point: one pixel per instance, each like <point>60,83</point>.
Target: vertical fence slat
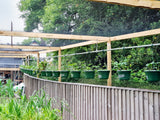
<point>116,105</point>
<point>136,105</point>
<point>124,104</point>
<point>109,105</point>
<point>106,104</point>
<point>113,105</point>
<point>120,104</point>
<point>141,105</point>
<point>103,104</point>
<point>128,105</point>
<point>132,106</point>
<point>146,107</point>
<point>151,109</point>
<point>156,107</point>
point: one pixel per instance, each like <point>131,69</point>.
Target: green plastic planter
<point>48,73</point>
<point>153,75</point>
<point>75,74</point>
<point>22,70</point>
<point>103,74</point>
<point>55,73</point>
<point>64,74</point>
<point>89,74</point>
<point>124,74</point>
<point>43,73</point>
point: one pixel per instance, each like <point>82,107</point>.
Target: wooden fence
<point>94,102</point>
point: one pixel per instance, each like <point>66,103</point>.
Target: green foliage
<point>122,65</point>
<point>36,107</point>
<point>6,90</point>
<point>153,66</point>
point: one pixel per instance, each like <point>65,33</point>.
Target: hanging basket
<point>89,74</point>
<point>153,75</point>
<point>103,74</point>
<point>56,73</point>
<point>64,74</point>
<point>48,73</point>
<point>124,74</point>
<point>75,74</point>
<point>29,71</point>
<point>43,73</point>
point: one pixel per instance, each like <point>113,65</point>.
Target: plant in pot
<point>123,69</point>
<point>75,70</point>
<point>41,68</point>
<point>64,73</point>
<point>153,71</point>
<point>103,73</point>
<point>89,73</point>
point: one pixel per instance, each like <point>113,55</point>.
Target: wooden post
<point>109,61</point>
<point>28,60</point>
<point>37,59</point>
<point>59,63</point>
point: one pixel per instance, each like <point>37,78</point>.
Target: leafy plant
<point>122,65</point>
<point>153,66</point>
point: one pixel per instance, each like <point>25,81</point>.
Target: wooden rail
<point>152,4</point>
<point>94,102</point>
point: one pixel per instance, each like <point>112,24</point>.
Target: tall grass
<point>35,108</point>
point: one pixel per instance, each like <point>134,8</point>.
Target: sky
<point>9,12</point>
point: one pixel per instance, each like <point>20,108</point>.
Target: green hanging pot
<point>30,72</point>
<point>55,73</point>
<point>64,74</point>
<point>48,73</point>
<point>124,74</point>
<point>89,74</point>
<point>43,73</point>
<point>22,70</point>
<point>153,75</point>
<point>103,74</point>
<point>75,74</point>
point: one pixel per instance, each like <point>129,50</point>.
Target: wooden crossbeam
<point>9,69</point>
<point>152,4</point>
<point>12,56</point>
<point>55,36</point>
<point>19,52</point>
<point>115,38</point>
<point>29,47</point>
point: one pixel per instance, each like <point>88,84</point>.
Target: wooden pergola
<point>152,4</point>
<point>89,41</point>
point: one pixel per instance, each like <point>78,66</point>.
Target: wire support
<point>105,50</point>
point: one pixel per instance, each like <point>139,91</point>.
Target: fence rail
<point>94,102</point>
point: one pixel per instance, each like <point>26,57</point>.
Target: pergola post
<point>28,60</point>
<point>109,61</point>
<point>59,63</point>
<point>37,59</point>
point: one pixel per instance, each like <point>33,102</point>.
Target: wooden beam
<point>115,38</point>
<point>49,35</point>
<point>80,44</point>
<point>12,56</point>
<point>9,69</point>
<point>135,35</point>
<point>152,4</point>
<point>47,51</point>
<point>29,47</point>
<point>19,52</point>
<point>109,63</point>
<point>59,63</point>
